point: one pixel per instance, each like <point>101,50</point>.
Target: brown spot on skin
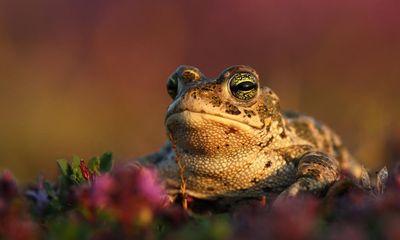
<point>283,134</point>
<point>216,101</point>
<point>269,141</point>
<point>230,130</point>
<point>268,164</point>
<point>226,145</point>
<point>207,88</point>
<point>249,113</point>
<point>232,109</point>
<point>233,112</point>
<point>211,189</point>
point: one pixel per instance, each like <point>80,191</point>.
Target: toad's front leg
<point>315,173</point>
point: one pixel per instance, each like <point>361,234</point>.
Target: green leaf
<point>74,179</point>
<point>76,161</point>
<point>106,162</point>
<point>94,165</point>
<point>49,189</point>
<point>75,164</point>
<point>63,165</point>
<point>47,186</point>
<point>64,182</point>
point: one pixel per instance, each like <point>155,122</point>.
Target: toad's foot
<point>316,172</point>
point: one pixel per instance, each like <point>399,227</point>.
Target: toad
<point>229,139</point>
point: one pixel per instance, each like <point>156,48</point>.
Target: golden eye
<point>172,87</point>
<point>243,86</point>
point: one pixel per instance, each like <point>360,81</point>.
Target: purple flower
<point>39,195</point>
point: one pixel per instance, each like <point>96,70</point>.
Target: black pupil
<point>244,86</point>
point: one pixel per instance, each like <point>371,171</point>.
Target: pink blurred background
<point>84,77</point>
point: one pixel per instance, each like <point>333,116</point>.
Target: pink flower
<point>100,192</point>
<point>8,187</point>
<point>149,186</point>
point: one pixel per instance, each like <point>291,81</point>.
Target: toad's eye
<point>172,87</point>
<point>243,86</point>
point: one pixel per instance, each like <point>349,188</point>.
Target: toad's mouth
<point>188,116</point>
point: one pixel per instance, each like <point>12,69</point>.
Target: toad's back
<point>322,138</point>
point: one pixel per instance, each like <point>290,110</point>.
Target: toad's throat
<point>208,135</point>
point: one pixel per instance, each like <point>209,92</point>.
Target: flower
<point>101,189</point>
<point>8,186</point>
<point>149,186</point>
<point>85,170</point>
<point>39,196</point>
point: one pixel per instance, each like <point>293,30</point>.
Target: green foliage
<point>214,227</point>
<point>76,176</point>
<point>106,162</point>
<point>94,165</point>
<point>63,166</point>
<point>54,200</point>
<point>72,171</point>
<point>62,228</point>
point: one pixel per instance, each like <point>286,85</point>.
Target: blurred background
<point>84,77</point>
